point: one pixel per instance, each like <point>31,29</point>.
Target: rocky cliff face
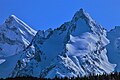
<point>76,48</point>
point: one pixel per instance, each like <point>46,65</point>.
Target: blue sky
<point>43,14</point>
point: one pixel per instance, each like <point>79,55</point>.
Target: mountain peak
<point>82,11</point>
<point>11,18</point>
<point>18,26</point>
<point>83,15</point>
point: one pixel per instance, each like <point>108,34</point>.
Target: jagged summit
<point>81,12</point>
<point>17,35</point>
<point>83,15</point>
<point>13,21</point>
<point>11,18</point>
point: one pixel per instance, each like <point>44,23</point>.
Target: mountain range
<point>78,47</point>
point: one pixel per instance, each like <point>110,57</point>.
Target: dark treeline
<point>112,76</point>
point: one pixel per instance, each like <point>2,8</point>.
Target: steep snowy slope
<point>78,47</point>
<point>15,35</point>
<point>114,47</point>
<point>7,67</point>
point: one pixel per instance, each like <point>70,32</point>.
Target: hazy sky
<point>43,14</point>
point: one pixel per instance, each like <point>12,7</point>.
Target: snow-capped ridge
<point>12,19</point>
<point>13,16</point>
<point>44,33</point>
<point>16,34</point>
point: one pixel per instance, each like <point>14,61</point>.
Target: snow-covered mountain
<point>76,48</point>
<point>15,35</point>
